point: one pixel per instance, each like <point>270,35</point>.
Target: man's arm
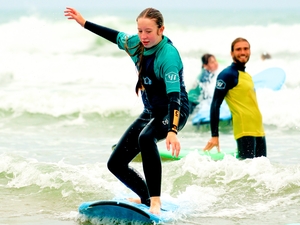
<point>223,84</point>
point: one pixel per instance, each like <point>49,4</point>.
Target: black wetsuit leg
<point>261,147</point>
<point>156,130</point>
<point>250,147</point>
<point>141,136</point>
<point>150,155</point>
<point>126,149</point>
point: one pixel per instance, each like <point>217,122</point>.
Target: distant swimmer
<point>265,56</point>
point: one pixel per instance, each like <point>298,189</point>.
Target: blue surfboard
<point>203,115</point>
<point>272,78</point>
<point>119,211</point>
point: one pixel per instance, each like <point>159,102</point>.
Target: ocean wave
<point>68,37</point>
<point>82,74</point>
<point>197,184</point>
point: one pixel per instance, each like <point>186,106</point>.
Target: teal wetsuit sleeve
<point>171,65</point>
<point>126,39</point>
<point>131,41</point>
<point>168,64</point>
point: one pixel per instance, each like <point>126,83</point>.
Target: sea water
<point>66,96</point>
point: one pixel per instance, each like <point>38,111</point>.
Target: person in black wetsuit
<point>166,108</point>
<point>237,87</point>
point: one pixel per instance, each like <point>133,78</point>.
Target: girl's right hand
<point>73,14</point>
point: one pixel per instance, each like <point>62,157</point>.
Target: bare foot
<point>135,200</point>
<point>155,205</point>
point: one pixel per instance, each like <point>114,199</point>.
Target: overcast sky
<point>160,4</point>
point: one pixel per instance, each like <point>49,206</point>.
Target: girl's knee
<point>144,139</point>
<point>110,165</point>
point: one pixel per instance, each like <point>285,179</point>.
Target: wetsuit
<point>237,87</point>
<point>165,110</point>
<point>206,80</point>
<point>202,90</point>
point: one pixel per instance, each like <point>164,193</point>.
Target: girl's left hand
<point>172,141</point>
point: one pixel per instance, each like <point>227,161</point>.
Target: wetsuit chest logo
<point>147,81</point>
<point>165,122</point>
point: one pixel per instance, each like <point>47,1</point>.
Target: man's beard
<point>239,62</point>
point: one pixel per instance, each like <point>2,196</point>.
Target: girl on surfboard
<point>166,108</point>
